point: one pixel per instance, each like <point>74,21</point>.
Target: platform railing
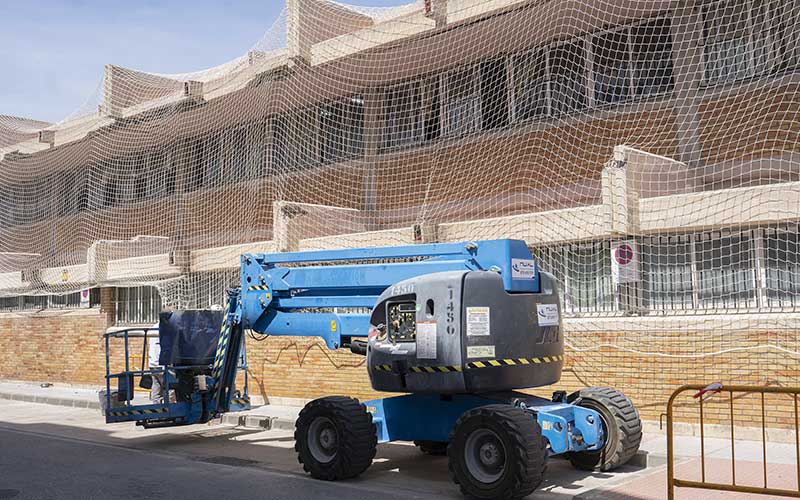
<point>702,394</point>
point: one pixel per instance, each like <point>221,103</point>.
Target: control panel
<point>402,324</point>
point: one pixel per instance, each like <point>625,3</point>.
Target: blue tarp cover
<point>188,337</point>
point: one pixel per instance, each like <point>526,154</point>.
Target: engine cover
<point>460,331</point>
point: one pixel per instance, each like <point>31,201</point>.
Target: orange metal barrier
<point>673,482</point>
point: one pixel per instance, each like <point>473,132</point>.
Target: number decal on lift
<point>451,315</point>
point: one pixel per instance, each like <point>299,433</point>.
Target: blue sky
<point>52,52</point>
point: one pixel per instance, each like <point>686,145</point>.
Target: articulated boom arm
<point>300,293</point>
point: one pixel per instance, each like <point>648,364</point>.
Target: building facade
<point>671,128</point>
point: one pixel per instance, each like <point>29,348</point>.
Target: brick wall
<point>57,346</point>
<point>67,347</point>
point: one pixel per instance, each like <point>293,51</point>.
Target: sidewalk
<point>57,394</point>
<point>272,427</point>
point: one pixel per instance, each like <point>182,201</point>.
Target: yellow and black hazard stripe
<point>151,411</point>
<point>257,287</point>
<point>222,346</point>
<point>491,363</point>
<point>434,369</point>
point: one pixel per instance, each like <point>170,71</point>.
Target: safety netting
<point>646,151</point>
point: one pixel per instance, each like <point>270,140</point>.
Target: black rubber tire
<point>355,434</point>
<point>435,448</point>
<point>524,448</point>
<point>621,424</point>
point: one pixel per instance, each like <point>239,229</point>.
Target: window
<point>567,78</point>
<point>531,85</point>
<point>139,305</point>
<point>401,115</point>
<point>462,115</point>
<point>294,144</point>
<point>161,178</point>
<point>72,188</point>
<point>612,69</point>
<point>766,35</point>
<point>34,302</point>
<point>782,266</point>
<point>726,271</point>
<point>211,166</point>
<point>341,130</point>
<point>431,108</point>
<point>587,281</point>
<point>652,58</point>
<point>791,31</point>
<point>726,41</point>
<point>111,191</point>
<point>667,266</point>
<point>494,94</point>
<point>193,150</point>
<point>256,151</point>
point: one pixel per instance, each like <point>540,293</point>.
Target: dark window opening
<point>463,103</point>
<point>612,73</point>
<point>567,78</point>
<point>652,58</point>
<point>433,126</point>
<point>494,94</point>
<point>401,115</point>
<point>341,130</point>
<point>530,85</point>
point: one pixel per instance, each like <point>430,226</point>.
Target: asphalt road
<point>36,466</point>
<point>60,453</point>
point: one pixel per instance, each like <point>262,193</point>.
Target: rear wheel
<point>437,448</point>
<point>621,425</point>
<point>497,451</point>
<point>335,438</point>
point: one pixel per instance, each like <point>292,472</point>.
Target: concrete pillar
<point>687,56</point>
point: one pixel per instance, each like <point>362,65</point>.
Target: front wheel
<point>497,451</point>
<point>621,425</point>
<point>335,438</point>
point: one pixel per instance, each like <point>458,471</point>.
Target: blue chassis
<point>431,417</point>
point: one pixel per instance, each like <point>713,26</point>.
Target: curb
<point>51,400</point>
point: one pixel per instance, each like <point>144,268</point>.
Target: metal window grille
<point>667,268</point>
<point>782,267</point>
<point>401,115</point>
<point>138,305</point>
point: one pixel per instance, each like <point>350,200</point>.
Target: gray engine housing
<point>461,332</point>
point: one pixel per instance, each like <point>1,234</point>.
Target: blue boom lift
<point>457,328</point>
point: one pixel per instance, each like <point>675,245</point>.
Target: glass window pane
<point>463,103</point>
<point>652,56</point>
<point>530,85</point>
<point>726,41</point>
<point>611,67</point>
<point>567,78</point>
<point>402,120</point>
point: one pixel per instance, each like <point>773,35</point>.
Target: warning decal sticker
<point>480,351</point>
<point>426,340</point>
<point>478,321</point>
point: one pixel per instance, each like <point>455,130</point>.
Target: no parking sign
<point>624,262</point>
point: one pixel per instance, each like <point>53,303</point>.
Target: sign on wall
<point>85,302</point>
<point>624,262</point>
